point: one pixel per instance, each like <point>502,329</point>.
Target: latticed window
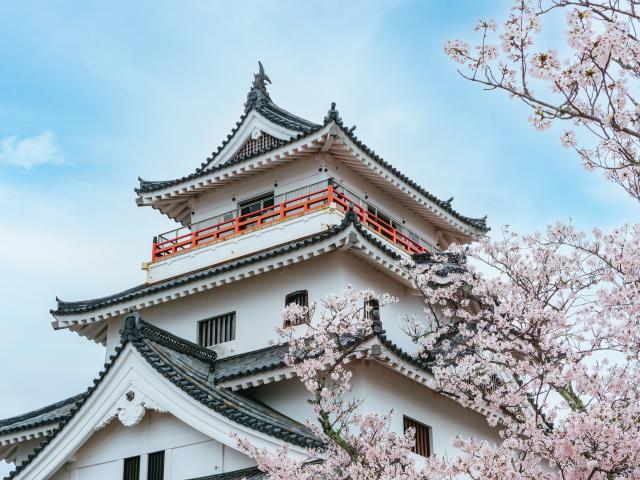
<point>215,330</point>
<point>422,436</point>
<point>301,298</point>
<point>131,468</point>
<point>155,469</point>
<point>372,309</point>
<point>251,209</point>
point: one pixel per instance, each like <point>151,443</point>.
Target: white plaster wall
<point>288,177</point>
<point>244,244</point>
<point>188,453</point>
<point>299,173</point>
<point>258,301</point>
<point>364,188</point>
<point>383,389</point>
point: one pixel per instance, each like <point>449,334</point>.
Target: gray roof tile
<point>262,104</point>
<point>189,367</point>
<point>43,416</point>
<point>252,473</point>
<point>82,306</point>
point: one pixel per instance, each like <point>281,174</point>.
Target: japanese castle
<point>285,211</point>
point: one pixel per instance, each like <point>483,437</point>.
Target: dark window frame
<point>299,297</point>
<point>423,436</point>
<point>131,468</point>
<point>210,333</point>
<point>372,313</point>
<point>264,200</point>
<point>155,465</point>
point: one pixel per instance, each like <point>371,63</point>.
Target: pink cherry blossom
<point>539,332</point>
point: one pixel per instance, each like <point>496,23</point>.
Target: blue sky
<point>91,96</point>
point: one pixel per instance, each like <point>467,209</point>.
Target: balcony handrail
<point>305,199</point>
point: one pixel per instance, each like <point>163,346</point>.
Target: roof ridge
<point>133,333</point>
<point>134,292</point>
<point>34,413</point>
<point>134,328</point>
<point>334,116</point>
<point>249,472</point>
<point>258,99</point>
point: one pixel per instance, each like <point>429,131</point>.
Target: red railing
<point>318,196</point>
<point>379,226</point>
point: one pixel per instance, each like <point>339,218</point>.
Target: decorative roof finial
<point>258,91</point>
<point>131,326</point>
<point>260,80</point>
<point>332,115</point>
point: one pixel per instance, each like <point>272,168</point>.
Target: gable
<point>252,126</point>
<point>188,452</point>
<point>154,371</point>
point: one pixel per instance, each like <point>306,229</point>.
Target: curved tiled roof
<point>70,308</point>
<point>195,377</point>
<point>273,357</point>
<point>43,416</point>
<point>333,116</point>
<point>251,473</point>
<point>189,367</point>
<point>256,361</point>
<point>262,104</point>
<point>205,169</point>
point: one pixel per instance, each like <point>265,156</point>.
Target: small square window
<point>372,309</point>
<point>301,298</point>
<point>215,330</point>
<point>422,436</point>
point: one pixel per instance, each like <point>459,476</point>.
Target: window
<point>215,330</point>
<point>301,297</point>
<point>372,309</point>
<point>252,205</point>
<point>422,436</point>
<point>384,221</point>
<point>131,468</point>
<point>256,203</point>
<point>155,469</point>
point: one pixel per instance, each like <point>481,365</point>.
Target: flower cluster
<point>541,332</point>
<point>595,85</point>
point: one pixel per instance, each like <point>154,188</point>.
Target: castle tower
<point>285,211</point>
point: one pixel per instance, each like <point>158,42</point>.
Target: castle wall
<point>258,301</point>
<point>383,389</point>
<point>300,173</point>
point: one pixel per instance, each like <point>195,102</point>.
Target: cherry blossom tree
<point>539,332</point>
<point>593,84</point>
<point>359,445</point>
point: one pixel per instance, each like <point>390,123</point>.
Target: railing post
<point>154,246</point>
<point>330,191</point>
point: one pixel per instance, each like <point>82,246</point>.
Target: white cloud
<point>30,152</point>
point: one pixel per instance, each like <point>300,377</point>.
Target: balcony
<point>285,207</point>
